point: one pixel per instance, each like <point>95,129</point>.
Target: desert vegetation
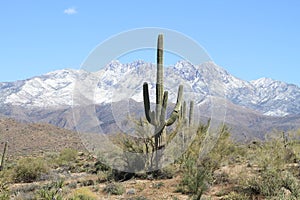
<point>266,169</point>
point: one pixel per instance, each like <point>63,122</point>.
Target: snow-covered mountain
<point>118,81</point>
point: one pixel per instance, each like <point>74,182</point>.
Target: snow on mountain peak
<point>55,88</point>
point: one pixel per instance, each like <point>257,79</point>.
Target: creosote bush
<point>273,183</point>
<point>83,194</point>
<point>29,169</point>
<point>66,156</point>
<point>114,188</point>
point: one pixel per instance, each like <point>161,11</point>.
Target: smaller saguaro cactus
<point>285,139</point>
<point>183,120</point>
<point>191,113</point>
<point>3,157</point>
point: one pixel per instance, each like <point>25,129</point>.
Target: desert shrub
<point>158,185</point>
<point>167,172</point>
<point>221,178</point>
<point>268,184</point>
<point>72,185</point>
<point>44,194</point>
<point>291,183</point>
<point>194,179</point>
<point>4,196</point>
<point>114,188</point>
<point>29,169</point>
<point>272,183</point>
<point>101,165</point>
<point>197,172</point>
<point>67,155</point>
<point>51,191</point>
<point>103,176</point>
<point>4,192</point>
<point>224,152</point>
<point>83,193</point>
<point>274,152</point>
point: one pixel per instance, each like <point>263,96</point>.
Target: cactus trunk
<point>3,157</point>
<point>160,72</point>
<point>191,113</point>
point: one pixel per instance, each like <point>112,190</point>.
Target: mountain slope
<point>36,139</point>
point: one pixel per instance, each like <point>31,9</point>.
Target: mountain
<point>50,97</point>
<point>270,97</point>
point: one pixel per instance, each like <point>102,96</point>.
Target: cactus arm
<point>164,107</point>
<point>176,111</point>
<point>149,114</point>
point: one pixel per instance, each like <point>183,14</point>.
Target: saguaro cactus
<point>158,117</point>
<point>3,156</point>
<point>184,121</point>
<point>191,113</point>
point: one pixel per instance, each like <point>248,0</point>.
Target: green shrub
<point>104,176</point>
<point>194,179</point>
<point>83,193</point>
<point>4,192</point>
<point>114,188</point>
<point>4,196</point>
<point>268,183</point>
<point>158,185</point>
<point>45,194</point>
<point>29,170</point>
<point>101,165</point>
<point>167,172</point>
<point>271,183</point>
<point>198,174</point>
<point>51,191</point>
<point>291,183</point>
<point>275,152</point>
<point>67,155</point>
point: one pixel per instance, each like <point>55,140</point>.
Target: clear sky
<point>249,38</point>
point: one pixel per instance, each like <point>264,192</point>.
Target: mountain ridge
<point>250,107</point>
<point>268,96</point>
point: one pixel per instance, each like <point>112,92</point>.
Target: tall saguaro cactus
<point>3,156</point>
<point>158,117</point>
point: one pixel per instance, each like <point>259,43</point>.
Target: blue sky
<point>250,39</point>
